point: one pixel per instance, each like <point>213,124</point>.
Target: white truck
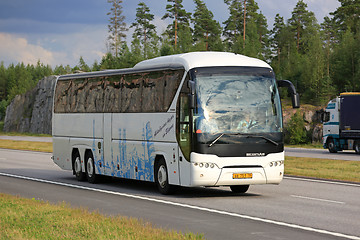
<point>341,123</point>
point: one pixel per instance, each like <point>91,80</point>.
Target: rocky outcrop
<point>312,121</point>
<point>31,112</point>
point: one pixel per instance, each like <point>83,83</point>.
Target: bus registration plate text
<point>242,175</point>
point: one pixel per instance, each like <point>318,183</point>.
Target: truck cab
<point>341,123</point>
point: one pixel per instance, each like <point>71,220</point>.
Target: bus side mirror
<point>191,85</point>
<point>295,99</point>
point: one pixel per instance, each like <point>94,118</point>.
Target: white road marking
<point>322,181</point>
<point>290,225</point>
<point>317,199</point>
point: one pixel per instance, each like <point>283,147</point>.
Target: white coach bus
<point>193,119</point>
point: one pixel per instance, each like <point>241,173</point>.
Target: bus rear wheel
<point>90,169</point>
<point>77,169</point>
<point>162,178</point>
<point>239,188</point>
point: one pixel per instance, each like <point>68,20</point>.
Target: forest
<point>321,59</point>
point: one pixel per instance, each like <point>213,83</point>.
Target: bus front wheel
<point>162,178</point>
<point>239,188</point>
<point>90,169</point>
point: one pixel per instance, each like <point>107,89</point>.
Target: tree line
<point>321,59</point>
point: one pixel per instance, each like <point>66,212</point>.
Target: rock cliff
<point>31,112</point>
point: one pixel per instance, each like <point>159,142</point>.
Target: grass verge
<point>22,218</point>
<point>308,145</point>
<point>323,168</point>
<point>26,145</point>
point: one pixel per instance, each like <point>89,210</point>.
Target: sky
<point>60,32</point>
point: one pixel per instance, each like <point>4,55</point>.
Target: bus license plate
<point>242,175</point>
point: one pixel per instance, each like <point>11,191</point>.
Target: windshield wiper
<point>244,134</point>
<point>260,136</point>
<point>216,139</point>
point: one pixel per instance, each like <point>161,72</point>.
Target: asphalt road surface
<point>294,152</point>
<point>295,209</point>
<point>322,153</point>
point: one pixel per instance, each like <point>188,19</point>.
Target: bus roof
<point>203,59</point>
<point>185,61</point>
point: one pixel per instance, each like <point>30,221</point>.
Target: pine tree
<point>179,30</point>
<point>83,66</point>
<point>206,29</point>
<point>234,25</point>
<point>245,30</point>
<point>277,38</point>
<point>348,16</point>
<point>144,29</point>
<point>117,26</point>
<point>303,23</point>
<point>345,63</point>
<point>328,34</point>
<point>3,91</point>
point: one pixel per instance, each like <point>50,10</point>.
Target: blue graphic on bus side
<point>133,162</point>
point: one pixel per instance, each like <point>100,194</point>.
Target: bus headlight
<point>205,165</point>
<point>276,163</point>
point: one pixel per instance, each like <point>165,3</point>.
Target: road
<point>322,153</point>
<point>293,152</point>
<point>295,209</point>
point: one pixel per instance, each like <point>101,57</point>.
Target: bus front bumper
<point>210,170</point>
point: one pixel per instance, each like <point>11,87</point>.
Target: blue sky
<point>59,32</point>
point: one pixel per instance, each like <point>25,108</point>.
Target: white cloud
<point>14,49</point>
<point>55,49</point>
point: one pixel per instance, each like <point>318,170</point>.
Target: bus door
<point>184,138</point>
<point>107,138</point>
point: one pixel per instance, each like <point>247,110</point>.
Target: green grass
<point>308,145</point>
<point>23,134</point>
<point>323,168</point>
<point>22,218</point>
<point>26,145</point>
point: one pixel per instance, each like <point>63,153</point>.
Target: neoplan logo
<point>255,154</point>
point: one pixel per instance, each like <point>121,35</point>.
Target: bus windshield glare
<point>236,100</point>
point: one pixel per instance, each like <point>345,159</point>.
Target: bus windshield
<point>236,100</point>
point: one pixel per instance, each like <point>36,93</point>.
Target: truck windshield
<point>236,100</point>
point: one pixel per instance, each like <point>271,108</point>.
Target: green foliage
<point>295,131</point>
<point>179,31</point>
<point>207,31</point>
<point>144,33</point>
<point>117,27</point>
<point>3,104</point>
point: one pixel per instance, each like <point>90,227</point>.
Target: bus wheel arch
<point>77,165</point>
<point>161,176</point>
<point>91,176</point>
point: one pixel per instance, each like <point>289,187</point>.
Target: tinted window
<point>138,92</point>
